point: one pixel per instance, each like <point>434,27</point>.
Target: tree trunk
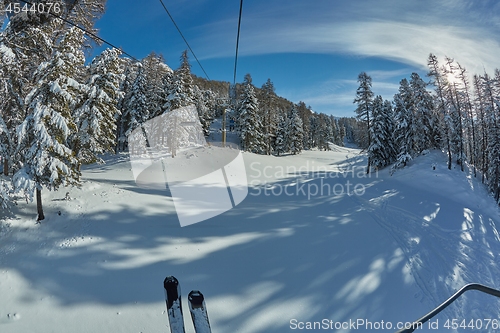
<point>5,166</point>
<point>117,134</point>
<point>39,207</point>
<point>449,152</point>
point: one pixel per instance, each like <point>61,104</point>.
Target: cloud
<point>402,31</point>
<point>454,28</point>
<point>384,74</point>
<point>411,44</point>
<point>337,95</point>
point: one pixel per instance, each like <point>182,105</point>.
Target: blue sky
<point>312,50</point>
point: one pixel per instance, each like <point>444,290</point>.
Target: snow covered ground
<point>314,240</point>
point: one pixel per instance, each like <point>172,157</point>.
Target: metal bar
<point>471,286</point>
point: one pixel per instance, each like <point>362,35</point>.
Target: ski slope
<point>289,254</point>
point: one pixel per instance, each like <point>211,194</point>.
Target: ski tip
<point>196,298</point>
<point>170,282</point>
<point>172,290</point>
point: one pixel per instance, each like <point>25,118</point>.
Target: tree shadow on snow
<point>276,257</point>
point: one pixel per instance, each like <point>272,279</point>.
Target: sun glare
<point>451,78</point>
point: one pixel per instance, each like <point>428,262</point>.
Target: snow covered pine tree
<point>42,137</point>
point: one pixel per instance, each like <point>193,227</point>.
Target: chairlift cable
<point>87,32</point>
<point>185,41</point>
<point>237,43</point>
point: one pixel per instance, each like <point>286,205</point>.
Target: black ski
<point>198,312</point>
<point>174,305</point>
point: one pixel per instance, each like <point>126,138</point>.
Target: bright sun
<point>452,78</point>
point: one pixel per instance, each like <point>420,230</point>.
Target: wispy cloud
<point>402,31</point>
<point>385,74</point>
<point>336,96</point>
<point>406,33</point>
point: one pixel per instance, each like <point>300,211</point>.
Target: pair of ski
<point>174,308</point>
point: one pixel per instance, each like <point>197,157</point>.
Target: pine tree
<point>381,148</point>
<point>6,135</point>
<point>275,120</point>
<point>405,127</point>
<point>494,152</point>
<point>123,121</point>
<point>364,99</point>
<point>389,126</point>
<point>5,141</point>
<point>205,102</point>
<point>305,113</point>
<point>249,121</point>
<point>492,114</point>
<point>295,132</point>
<point>314,139</point>
<point>465,99</point>
<point>156,72</point>
<point>425,123</point>
<point>4,195</point>
<point>267,108</point>
<point>281,144</point>
<point>2,12</point>
<point>439,82</point>
<point>343,134</point>
<point>82,13</point>
<point>337,134</point>
<point>349,126</point>
<point>180,91</point>
<point>85,14</point>
<point>4,152</point>
<point>482,124</point>
<point>324,132</point>
<point>23,48</point>
<point>42,137</point>
<point>456,112</point>
<point>137,106</point>
<point>96,117</point>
